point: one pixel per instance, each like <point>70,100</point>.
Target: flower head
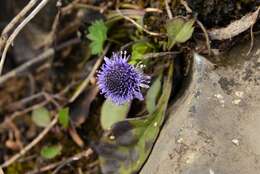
<point>120,81</point>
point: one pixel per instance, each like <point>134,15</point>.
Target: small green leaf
<point>178,31</point>
<point>138,51</point>
<point>64,117</point>
<point>97,35</point>
<point>126,147</point>
<point>41,117</point>
<point>112,113</point>
<point>49,152</point>
<point>152,95</point>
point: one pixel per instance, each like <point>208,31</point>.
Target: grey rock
<point>214,126</point>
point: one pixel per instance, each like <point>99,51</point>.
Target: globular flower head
<point>120,81</point>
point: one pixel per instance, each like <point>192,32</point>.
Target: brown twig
<point>85,153</point>
<point>122,48</point>
<point>159,54</point>
<point>138,25</point>
<point>168,10</point>
<point>1,170</point>
<point>25,100</point>
<point>52,35</point>
<point>157,10</point>
<point>17,135</point>
<point>252,40</point>
<point>33,107</point>
<point>52,100</point>
<point>186,6</point>
<point>77,157</point>
<point>30,145</point>
<point>91,74</point>
<point>42,57</point>
<point>18,29</point>
<point>29,109</point>
<point>87,6</point>
<point>68,8</point>
<point>69,28</point>
<point>14,21</point>
<point>206,36</point>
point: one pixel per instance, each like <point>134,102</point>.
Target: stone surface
<point>214,125</point>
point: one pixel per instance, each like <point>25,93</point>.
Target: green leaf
<point>178,31</point>
<point>127,146</point>
<point>138,51</point>
<point>49,152</point>
<point>64,117</point>
<point>41,117</point>
<point>112,113</point>
<point>152,95</point>
<point>97,35</point>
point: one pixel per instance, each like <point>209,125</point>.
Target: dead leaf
<point>235,28</point>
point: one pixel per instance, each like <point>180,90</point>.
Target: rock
<point>213,127</point>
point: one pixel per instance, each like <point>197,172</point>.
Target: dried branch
<point>93,71</point>
<point>206,35</point>
<point>138,25</point>
<point>15,20</point>
<point>159,54</point>
<point>1,170</point>
<point>18,29</point>
<point>41,104</point>
<point>83,154</point>
<point>31,145</point>
<point>42,57</point>
<point>186,6</point>
<point>168,10</point>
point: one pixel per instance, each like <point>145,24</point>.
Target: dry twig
<point>1,170</point>
<point>159,54</point>
<point>138,25</point>
<point>77,157</point>
<point>186,6</point>
<point>14,22</point>
<point>91,74</point>
<point>58,165</point>
<point>206,35</point>
<point>42,57</point>
<point>252,40</point>
<point>168,10</point>
<point>17,143</point>
<point>18,29</point>
<point>30,145</point>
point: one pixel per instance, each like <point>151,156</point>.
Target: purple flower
<point>120,81</point>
